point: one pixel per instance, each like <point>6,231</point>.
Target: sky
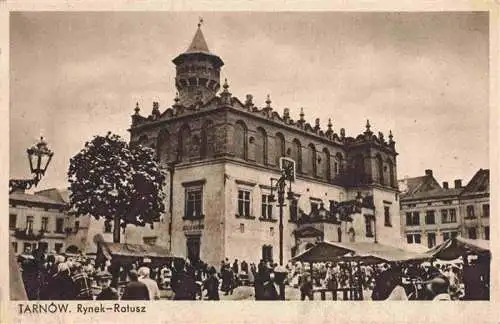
<point>422,75</point>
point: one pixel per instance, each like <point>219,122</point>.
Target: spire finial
<point>225,85</point>
<point>268,101</point>
<point>137,109</point>
<point>176,99</point>
<point>330,124</point>
<point>301,114</point>
<point>368,125</point>
<point>390,136</point>
<point>200,21</point>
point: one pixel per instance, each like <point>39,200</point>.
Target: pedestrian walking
<point>211,285</point>
<point>144,277</point>
<point>135,290</point>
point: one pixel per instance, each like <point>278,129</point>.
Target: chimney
<point>445,185</point>
<point>458,184</point>
<point>428,172</point>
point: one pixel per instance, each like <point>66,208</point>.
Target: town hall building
<point>219,153</point>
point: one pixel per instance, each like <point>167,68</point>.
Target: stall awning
<point>367,252</point>
<point>133,251</point>
<point>454,248</point>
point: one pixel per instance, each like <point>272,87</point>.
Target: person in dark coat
<point>107,292</point>
<point>182,283</point>
<point>211,285</point>
<point>135,290</point>
<point>61,285</point>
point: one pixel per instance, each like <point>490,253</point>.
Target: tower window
<point>243,203</point>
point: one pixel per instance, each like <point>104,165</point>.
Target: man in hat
<point>211,285</point>
<point>104,281</point>
<point>135,290</point>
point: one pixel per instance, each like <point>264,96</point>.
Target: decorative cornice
<point>245,182</point>
<point>200,182</point>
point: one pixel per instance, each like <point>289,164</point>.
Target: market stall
<point>131,253</point>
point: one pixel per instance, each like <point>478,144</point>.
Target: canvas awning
<point>454,248</point>
<point>132,252</point>
<point>366,252</point>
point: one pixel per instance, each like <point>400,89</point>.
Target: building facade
<point>220,153</point>
<point>431,213</point>
<point>475,207</point>
<point>38,220</point>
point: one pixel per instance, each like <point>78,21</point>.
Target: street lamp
<point>39,156</point>
<point>279,185</point>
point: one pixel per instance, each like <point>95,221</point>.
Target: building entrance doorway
<point>193,244</point>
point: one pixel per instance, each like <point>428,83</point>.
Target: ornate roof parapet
<point>329,132</point>
<point>155,113</point>
<point>268,109</point>
<point>316,126</point>
<point>225,94</point>
<point>136,117</point>
<point>249,102</point>
<point>286,115</point>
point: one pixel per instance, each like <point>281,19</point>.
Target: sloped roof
<point>36,198</point>
<point>454,248</point>
<point>480,183</point>
<point>61,195</point>
<point>198,44</point>
<point>434,193</point>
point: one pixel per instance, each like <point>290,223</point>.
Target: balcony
<point>28,234</point>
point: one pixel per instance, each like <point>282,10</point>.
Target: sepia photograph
<point>249,156</point>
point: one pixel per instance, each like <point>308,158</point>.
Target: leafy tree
<point>116,181</point>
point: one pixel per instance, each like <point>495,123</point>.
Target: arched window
<point>240,140</point>
<point>297,154</point>
<point>207,139</point>
<point>327,167</point>
<point>261,146</point>
<point>184,143</point>
<point>313,163</point>
<point>380,169</point>
<point>143,140</point>
<point>391,173</point>
<point>163,146</point>
<point>338,164</point>
<point>279,147</point>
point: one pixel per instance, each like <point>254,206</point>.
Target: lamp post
<point>279,185</point>
<point>39,156</point>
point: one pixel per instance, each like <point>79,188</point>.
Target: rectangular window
<point>267,253</point>
<point>409,219</point>
<point>472,233</point>
<point>430,218</point>
<point>58,247</point>
<point>453,215</point>
<point>486,210</point>
<point>243,203</point>
<point>45,223</point>
<point>446,236</point>
<point>29,223</point>
<point>194,202</point>
<point>486,232</point>
<point>43,246</point>
<point>14,247</point>
<point>294,210</point>
<point>431,240</point>
<point>368,227</point>
<point>416,218</point>
<point>470,211</point>
<point>12,221</point>
<point>267,207</point>
<point>444,216</point>
<point>413,238</point>
<point>59,225</point>
<point>387,216</point>
<point>26,247</point>
<point>314,207</point>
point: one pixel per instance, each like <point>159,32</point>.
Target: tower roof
<point>198,48</point>
<point>198,45</point>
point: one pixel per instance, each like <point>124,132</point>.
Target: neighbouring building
<point>38,220</point>
<point>475,207</point>
<point>431,213</point>
<point>220,153</point>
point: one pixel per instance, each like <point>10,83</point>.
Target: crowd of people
<point>66,277</point>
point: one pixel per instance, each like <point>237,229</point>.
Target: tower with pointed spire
<point>198,72</point>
